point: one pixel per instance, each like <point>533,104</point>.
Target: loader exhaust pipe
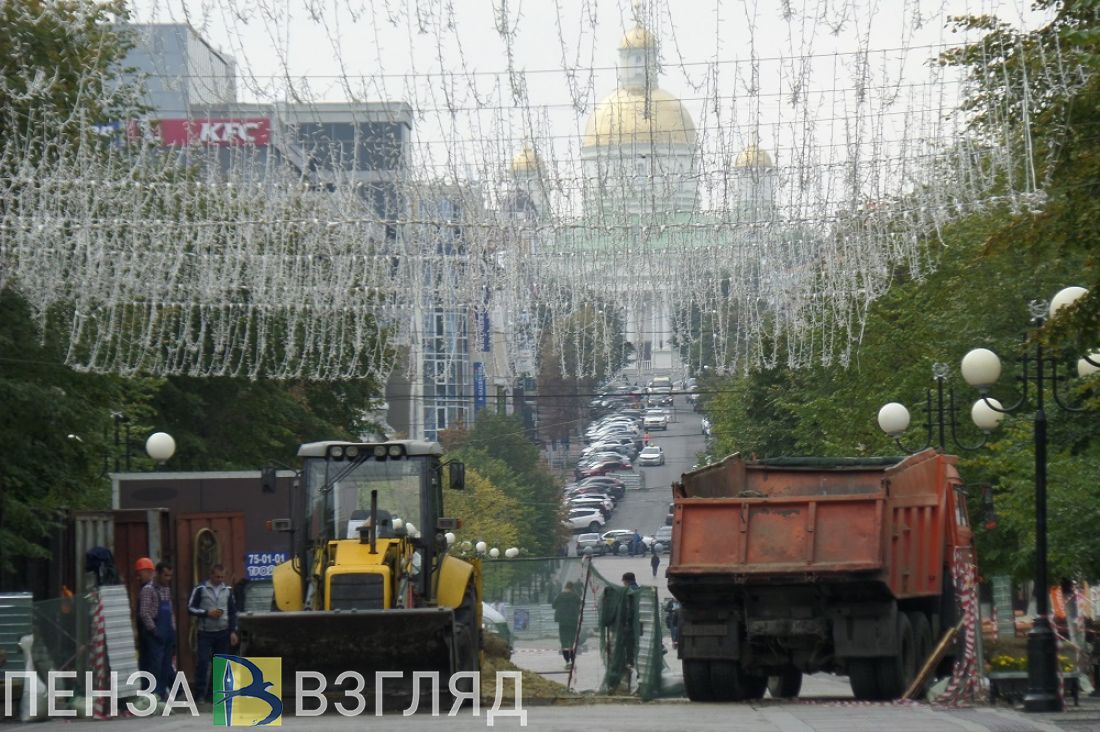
<point>373,521</point>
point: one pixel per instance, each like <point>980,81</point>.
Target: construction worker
<point>157,628</point>
<point>144,569</point>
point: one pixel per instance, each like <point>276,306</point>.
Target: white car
<point>656,421</point>
<point>584,519</point>
<point>652,455</point>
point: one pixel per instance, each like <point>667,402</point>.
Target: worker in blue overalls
<point>157,630</point>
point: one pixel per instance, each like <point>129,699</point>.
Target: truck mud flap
<point>367,641</point>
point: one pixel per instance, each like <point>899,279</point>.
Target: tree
<point>575,354</point>
<point>1051,118</point>
<point>976,297</point>
<point>498,450</point>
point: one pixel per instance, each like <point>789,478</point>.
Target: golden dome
<point>753,157</point>
<point>621,119</point>
<point>526,161</point>
<point>638,37</point>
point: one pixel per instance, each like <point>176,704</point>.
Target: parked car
<point>494,623</point>
<point>663,537</point>
<point>590,541</point>
<point>616,538</point>
<point>584,519</point>
<point>652,455</point>
<point>603,505</point>
<point>609,483</point>
<point>610,466</point>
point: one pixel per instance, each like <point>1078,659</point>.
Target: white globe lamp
<point>893,419</point>
<point>985,415</point>
<point>160,446</point>
<point>1066,297</point>
<point>981,368</point>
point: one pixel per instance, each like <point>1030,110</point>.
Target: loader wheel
<point>467,638</point>
<point>895,673</point>
<point>785,685</point>
<point>862,675</point>
<point>697,680</point>
<point>922,645</point>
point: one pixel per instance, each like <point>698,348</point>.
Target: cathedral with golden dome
<point>639,150</point>
<point>642,213</point>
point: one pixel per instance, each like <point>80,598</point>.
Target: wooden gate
<point>202,540</point>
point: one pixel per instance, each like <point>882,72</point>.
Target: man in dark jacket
<point>567,613</point>
<point>214,612</point>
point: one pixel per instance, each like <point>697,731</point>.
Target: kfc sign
<point>254,131</point>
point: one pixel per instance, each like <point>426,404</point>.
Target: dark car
<point>603,468</point>
<point>609,483</point>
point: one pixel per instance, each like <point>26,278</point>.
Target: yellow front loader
<point>371,586</point>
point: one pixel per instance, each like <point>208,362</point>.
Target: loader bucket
<point>365,641</point>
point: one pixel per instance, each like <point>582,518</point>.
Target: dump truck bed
<point>881,520</point>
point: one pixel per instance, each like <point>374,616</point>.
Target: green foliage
<point>498,451</point>
<point>977,297</point>
<point>59,60</point>
<point>60,75</point>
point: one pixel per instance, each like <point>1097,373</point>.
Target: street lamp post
<point>893,418</point>
<point>981,368</point>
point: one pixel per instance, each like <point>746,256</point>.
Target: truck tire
<point>697,680</point>
<point>753,686</point>
<point>467,639</point>
<point>922,644</point>
<point>725,681</point>
<point>785,685</point>
<point>863,677</point>
<point>896,672</point>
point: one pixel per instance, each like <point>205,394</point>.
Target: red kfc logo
<point>254,131</point>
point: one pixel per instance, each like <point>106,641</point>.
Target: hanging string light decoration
<point>750,221</point>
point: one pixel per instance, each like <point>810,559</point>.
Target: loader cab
<point>372,504</point>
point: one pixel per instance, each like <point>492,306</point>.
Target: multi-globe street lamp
<point>981,368</point>
<point>893,418</point>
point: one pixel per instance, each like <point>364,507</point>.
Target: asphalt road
<point>682,443</point>
<point>658,717</point>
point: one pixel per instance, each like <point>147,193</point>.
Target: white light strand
<point>765,227</point>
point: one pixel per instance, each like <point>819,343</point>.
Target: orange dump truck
<point>798,565</point>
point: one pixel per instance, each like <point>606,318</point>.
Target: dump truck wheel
<point>725,681</point>
<point>922,643</point>
<point>785,685</point>
<point>863,677</point>
<point>697,680</point>
<point>895,673</point>
<point>753,686</point>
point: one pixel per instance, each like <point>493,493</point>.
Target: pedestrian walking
<point>655,561</point>
<point>214,611</point>
<point>567,613</point>
<point>157,629</point>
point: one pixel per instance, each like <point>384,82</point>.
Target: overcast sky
<point>769,69</point>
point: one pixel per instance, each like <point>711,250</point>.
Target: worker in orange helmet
<point>145,570</point>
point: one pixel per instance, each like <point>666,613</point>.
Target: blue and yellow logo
<point>248,692</point>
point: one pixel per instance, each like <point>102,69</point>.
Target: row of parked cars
<point>614,444</point>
